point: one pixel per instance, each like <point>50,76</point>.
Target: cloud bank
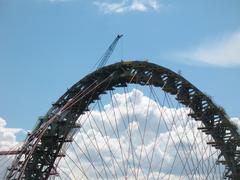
<point>104,148</point>
<point>223,51</point>
<point>107,151</point>
<point>236,121</point>
<point>58,1</point>
<point>8,135</point>
<point>7,142</point>
<point>123,6</point>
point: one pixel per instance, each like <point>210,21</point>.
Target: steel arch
<point>43,146</point>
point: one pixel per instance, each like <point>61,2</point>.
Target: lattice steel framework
<point>44,145</point>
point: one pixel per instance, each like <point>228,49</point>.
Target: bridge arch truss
<point>44,146</point>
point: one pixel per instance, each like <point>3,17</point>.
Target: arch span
<point>43,146</point>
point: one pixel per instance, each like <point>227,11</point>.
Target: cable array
<point>97,130</point>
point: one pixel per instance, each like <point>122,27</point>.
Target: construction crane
<point>103,60</point>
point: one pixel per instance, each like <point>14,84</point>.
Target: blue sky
<point>48,45</point>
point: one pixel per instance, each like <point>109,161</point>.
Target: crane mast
<point>103,60</point>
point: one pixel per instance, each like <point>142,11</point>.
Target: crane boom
<point>103,60</point>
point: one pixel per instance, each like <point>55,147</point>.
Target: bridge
<point>130,120</point>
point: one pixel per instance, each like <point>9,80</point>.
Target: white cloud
<point>236,121</point>
<point>223,51</point>
<point>98,134</point>
<point>59,0</point>
<point>100,142</point>
<point>8,135</point>
<point>122,6</point>
<point>7,142</point>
